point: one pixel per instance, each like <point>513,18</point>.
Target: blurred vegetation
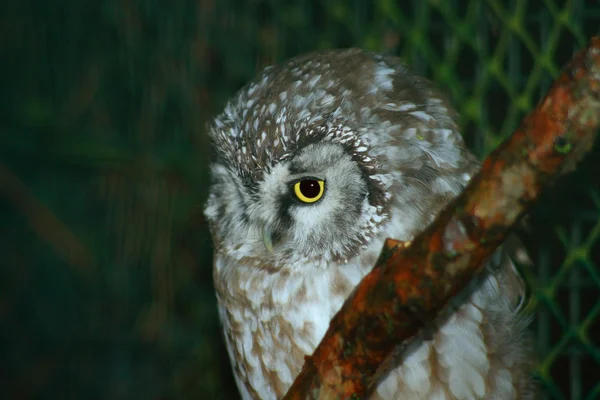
<point>105,278</point>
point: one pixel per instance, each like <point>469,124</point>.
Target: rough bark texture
<point>412,283</point>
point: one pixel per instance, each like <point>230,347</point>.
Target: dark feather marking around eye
<point>284,219</point>
<point>283,210</point>
<point>376,196</point>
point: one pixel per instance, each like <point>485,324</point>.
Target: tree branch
<point>45,223</point>
<point>410,285</point>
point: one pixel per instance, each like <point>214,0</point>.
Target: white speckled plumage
<point>385,142</point>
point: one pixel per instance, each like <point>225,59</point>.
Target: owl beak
<point>267,238</point>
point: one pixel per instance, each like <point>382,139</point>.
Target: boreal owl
<point>317,161</point>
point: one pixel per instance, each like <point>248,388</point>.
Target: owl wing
<point>511,259</point>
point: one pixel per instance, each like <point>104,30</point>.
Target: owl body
<point>318,160</point>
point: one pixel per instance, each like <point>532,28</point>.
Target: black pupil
<point>310,188</point>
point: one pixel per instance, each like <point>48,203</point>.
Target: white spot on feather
<point>422,115</point>
<point>382,78</point>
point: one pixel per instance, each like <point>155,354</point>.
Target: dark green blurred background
<point>105,258</point>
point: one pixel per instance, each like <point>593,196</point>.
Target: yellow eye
<point>309,190</point>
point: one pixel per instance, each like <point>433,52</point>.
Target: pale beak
<point>267,240</point>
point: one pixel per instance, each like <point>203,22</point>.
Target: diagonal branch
<point>44,223</point>
<point>410,285</point>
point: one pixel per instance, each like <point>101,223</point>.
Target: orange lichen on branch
<point>411,285</point>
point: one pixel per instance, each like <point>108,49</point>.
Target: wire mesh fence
<point>106,289</point>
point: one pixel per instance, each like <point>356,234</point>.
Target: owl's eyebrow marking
<point>297,169</point>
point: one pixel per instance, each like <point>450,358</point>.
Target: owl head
<point>317,155</point>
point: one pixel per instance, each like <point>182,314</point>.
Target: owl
<point>316,162</point>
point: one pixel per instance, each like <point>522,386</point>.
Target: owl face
<point>309,153</point>
<point>300,205</point>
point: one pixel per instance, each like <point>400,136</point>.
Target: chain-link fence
<point>105,288</point>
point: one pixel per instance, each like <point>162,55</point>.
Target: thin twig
<point>46,224</point>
